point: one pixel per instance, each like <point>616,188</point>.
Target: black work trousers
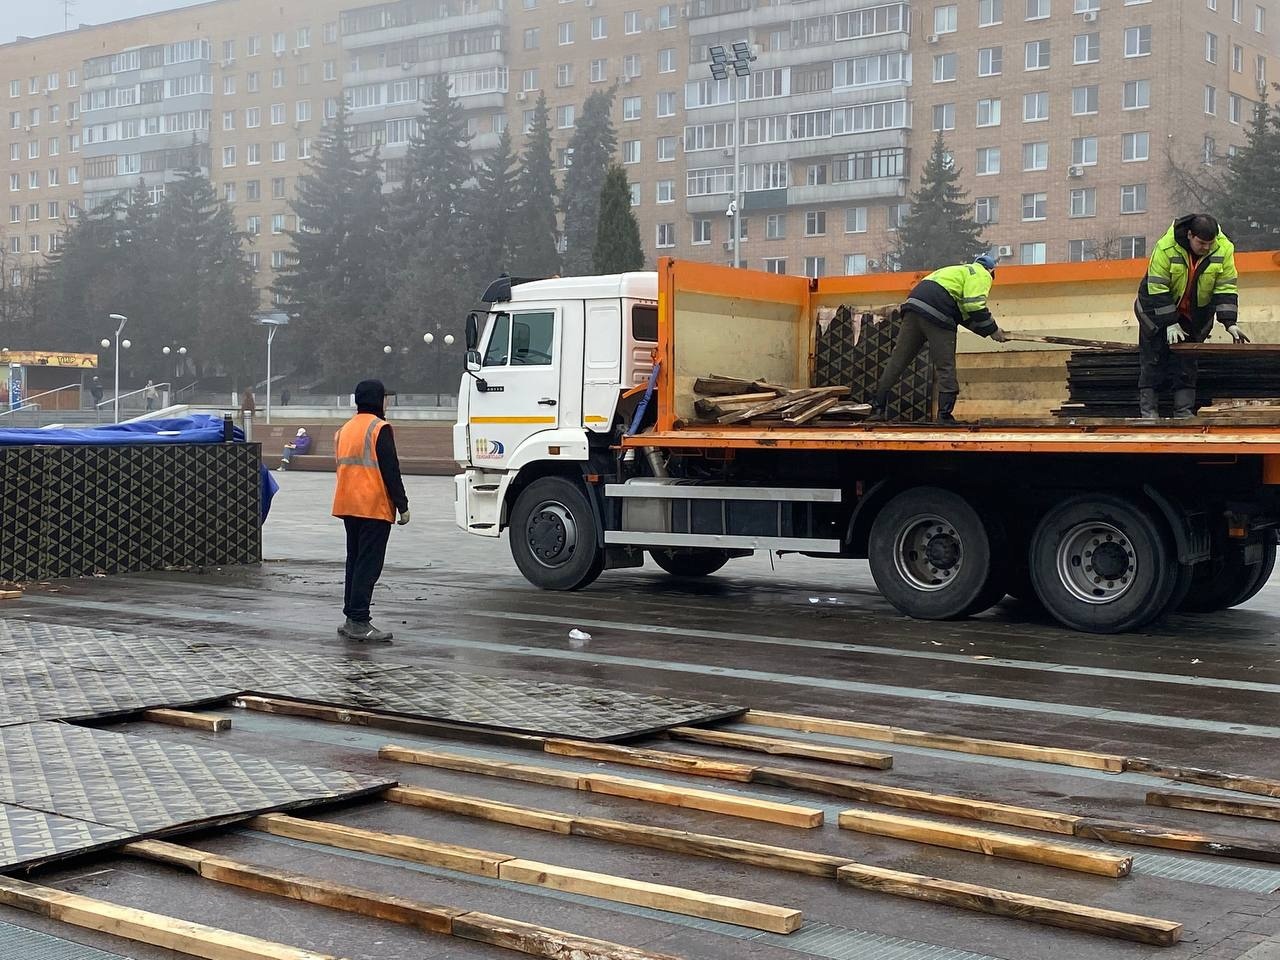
<point>1159,368</point>
<point>366,551</point>
<point>914,333</point>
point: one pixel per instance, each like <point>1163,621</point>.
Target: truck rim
<point>552,534</point>
<point>928,552</point>
<point>1096,562</point>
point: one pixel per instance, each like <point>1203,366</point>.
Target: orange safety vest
<point>360,492</point>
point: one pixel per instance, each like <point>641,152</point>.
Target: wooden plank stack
<point>729,400</point>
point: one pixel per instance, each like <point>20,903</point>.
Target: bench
<point>425,448</point>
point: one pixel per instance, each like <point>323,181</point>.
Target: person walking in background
<point>299,446</point>
<point>150,394</point>
<point>284,397</point>
<point>95,391</point>
<point>369,495</point>
<point>248,403</point>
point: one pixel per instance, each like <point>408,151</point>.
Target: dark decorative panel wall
<point>853,352</point>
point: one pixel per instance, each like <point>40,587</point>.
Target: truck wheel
<point>1226,581</point>
<point>689,563</point>
<point>554,537</point>
<point>930,554</point>
<point>1103,564</point>
<point>1257,577</point>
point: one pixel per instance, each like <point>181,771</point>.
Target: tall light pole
<point>741,64</point>
<point>428,339</point>
<point>122,320</point>
<point>273,322</point>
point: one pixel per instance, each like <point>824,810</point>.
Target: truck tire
<point>1103,563</point>
<point>689,563</point>
<point>554,540</point>
<point>1226,581</point>
<point>1257,577</point>
<point>930,554</point>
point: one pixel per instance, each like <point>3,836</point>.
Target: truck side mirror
<point>473,334</point>
<point>473,361</point>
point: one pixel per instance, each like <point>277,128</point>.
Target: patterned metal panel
<point>19,943</point>
<point>855,349</point>
<point>74,510</point>
<point>29,837</point>
<point>148,786</point>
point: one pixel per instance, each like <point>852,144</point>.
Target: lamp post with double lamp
<point>740,63</point>
<point>122,320</point>
<point>273,322</point>
<point>429,339</point>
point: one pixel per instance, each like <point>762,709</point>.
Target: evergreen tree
<point>940,228</point>
<point>534,251</point>
<point>335,280</point>
<point>1249,201</point>
<point>494,212</point>
<point>617,247</point>
<point>594,144</point>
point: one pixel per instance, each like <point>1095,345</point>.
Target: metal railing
<point>158,387</point>
<point>29,403</point>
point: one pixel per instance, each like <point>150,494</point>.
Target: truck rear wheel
<point>689,563</point>
<point>554,540</point>
<point>1103,564</point>
<point>930,554</point>
<point>1256,578</point>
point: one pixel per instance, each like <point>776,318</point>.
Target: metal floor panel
<point>19,943</point>
<point>30,837</point>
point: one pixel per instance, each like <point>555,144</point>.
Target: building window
<point>1259,19</point>
<point>1037,55</point>
<point>1233,108</point>
<point>990,12</point>
<point>665,191</point>
<point>253,153</point>
<point>15,88</point>
<point>1133,247</point>
<point>701,231</point>
<point>631,107</point>
<point>1133,198</point>
<point>635,194</point>
<point>253,226</point>
<point>1084,100</point>
<point>279,151</point>
<point>666,235</point>
<point>1211,47</point>
<point>251,81</point>
<point>944,67</point>
<point>816,175</point>
<point>229,192</point>
<point>944,116</point>
<point>1035,107</point>
<point>988,161</point>
<point>666,149</point>
<point>253,190</point>
<point>667,103</point>
<point>855,264</point>
<point>331,32</point>
<point>775,226</point>
<point>73,176</point>
<point>1237,58</point>
<point>1035,156</point>
<point>565,116</point>
<point>986,210</point>
<point>229,156</point>
<point>774,265</point>
<point>1078,251</point>
<point>1035,206</point>
<point>564,33</point>
<point>229,86</point>
<point>989,112</point>
<point>277,78</point>
<point>1032,253</point>
<point>990,61</point>
<point>1084,151</point>
<point>531,35</point>
<point>529,79</point>
<point>631,65</point>
<point>1037,9</point>
<point>1137,94</point>
<point>1137,41</point>
<point>1088,48</point>
<point>667,60</point>
<point>598,71</point>
<point>277,114</point>
<point>944,18</point>
<point>598,29</point>
<point>1260,69</point>
<point>564,75</point>
<point>302,111</point>
<point>1084,202</point>
<point>277,188</point>
<point>1135,146</point>
<point>277,224</point>
<point>815,266</point>
<point>330,70</point>
<point>631,22</point>
<point>631,151</point>
<point>815,223</point>
<point>302,37</point>
<point>1210,100</point>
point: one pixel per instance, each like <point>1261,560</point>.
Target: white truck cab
<point>546,366</point>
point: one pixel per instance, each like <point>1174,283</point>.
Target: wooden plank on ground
<point>482,809</point>
<point>543,941</point>
<point>482,863</point>
<point>489,768</point>
<point>657,759</point>
<point>658,896</point>
<point>1240,783</point>
<point>170,933</point>
<point>919,738</point>
<point>721,386</point>
<point>1231,808</point>
<point>783,747</point>
<point>10,594</point>
<point>989,842</point>
<point>1154,835</point>
<point>1005,903</point>
<point>184,718</point>
<point>808,413</point>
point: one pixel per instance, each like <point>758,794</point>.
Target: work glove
<point>1000,336</point>
<point>404,518</point>
<point>1237,335</point>
<point>1174,333</point>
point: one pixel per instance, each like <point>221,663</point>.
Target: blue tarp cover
<point>197,428</point>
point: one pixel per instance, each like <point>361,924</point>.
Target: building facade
<point>1062,115</point>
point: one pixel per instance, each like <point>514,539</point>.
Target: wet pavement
<point>784,634</point>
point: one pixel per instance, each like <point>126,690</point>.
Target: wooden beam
<point>170,933</point>
<point>1004,903</point>
<point>543,941</point>
<point>492,810</point>
<point>10,594</point>
<point>783,747</point>
<point>744,913</point>
<point>183,718</point>
<point>1153,835</point>
<point>988,842</point>
<point>674,796</point>
<point>415,849</point>
<point>1230,808</point>
<point>988,748</point>
<point>1241,783</point>
<point>657,759</point>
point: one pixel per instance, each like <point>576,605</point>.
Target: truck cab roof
<point>641,285</point>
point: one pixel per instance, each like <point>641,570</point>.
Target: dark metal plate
<point>30,837</point>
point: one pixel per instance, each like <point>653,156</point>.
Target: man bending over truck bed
<point>935,308</point>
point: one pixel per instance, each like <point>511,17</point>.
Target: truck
<point>577,436</point>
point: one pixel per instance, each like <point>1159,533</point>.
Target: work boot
<point>1148,404</point>
<point>879,409</point>
<point>1184,404</point>
<point>946,404</point>
<point>364,632</point>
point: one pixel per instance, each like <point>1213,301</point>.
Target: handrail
<point>28,403</point>
<point>132,393</point>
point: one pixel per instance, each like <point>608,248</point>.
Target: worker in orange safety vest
<point>369,495</point>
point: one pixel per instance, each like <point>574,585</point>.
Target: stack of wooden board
<point>727,400</point>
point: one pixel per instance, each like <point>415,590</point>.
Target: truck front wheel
<point>554,540</point>
<point>931,555</point>
<point>689,563</point>
<point>1103,564</point>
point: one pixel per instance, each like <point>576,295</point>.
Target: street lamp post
<point>741,64</point>
<point>273,322</point>
<point>122,320</point>
<point>428,339</point>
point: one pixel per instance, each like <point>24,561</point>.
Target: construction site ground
<point>787,634</point>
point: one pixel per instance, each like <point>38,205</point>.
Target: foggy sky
<point>35,18</point>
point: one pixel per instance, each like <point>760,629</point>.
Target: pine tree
<point>594,144</point>
<point>534,251</point>
<point>617,247</point>
<point>1249,204</point>
<point>335,281</point>
<point>494,212</point>
<point>940,228</point>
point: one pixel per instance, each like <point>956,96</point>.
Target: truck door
<point>520,395</point>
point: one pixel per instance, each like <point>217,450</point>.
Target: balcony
<point>880,189</point>
<point>425,28</point>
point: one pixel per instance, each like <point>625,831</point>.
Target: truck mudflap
<point>477,504</point>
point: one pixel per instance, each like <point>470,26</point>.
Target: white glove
<point>1237,335</point>
<point>404,518</point>
<point>1174,333</point>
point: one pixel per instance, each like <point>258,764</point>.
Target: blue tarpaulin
<point>197,428</point>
